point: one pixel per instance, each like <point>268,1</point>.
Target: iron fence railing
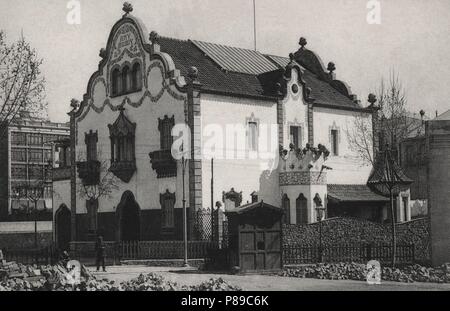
<point>304,254</point>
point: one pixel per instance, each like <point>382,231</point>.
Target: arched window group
<point>301,209</point>
<point>126,80</point>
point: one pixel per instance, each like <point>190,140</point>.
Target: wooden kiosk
<point>254,237</point>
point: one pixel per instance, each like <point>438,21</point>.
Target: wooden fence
<point>163,249</point>
<point>300,254</point>
<point>136,250</point>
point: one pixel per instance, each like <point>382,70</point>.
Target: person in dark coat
<point>100,253</point>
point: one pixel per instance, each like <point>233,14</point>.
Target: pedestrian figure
<point>100,253</point>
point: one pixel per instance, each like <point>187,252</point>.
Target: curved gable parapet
<point>312,62</point>
<point>287,76</point>
<point>129,37</point>
<point>342,87</point>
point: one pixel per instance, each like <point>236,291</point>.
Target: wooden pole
<point>394,244</point>
<point>212,199</point>
<point>185,243</point>
<point>254,22</point>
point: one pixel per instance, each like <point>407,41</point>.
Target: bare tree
<point>360,138</point>
<point>395,124</point>
<point>21,81</point>
<point>108,182</point>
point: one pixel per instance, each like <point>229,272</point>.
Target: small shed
<point>254,237</point>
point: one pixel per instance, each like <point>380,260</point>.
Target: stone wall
<point>351,230</point>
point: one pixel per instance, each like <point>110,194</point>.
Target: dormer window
<point>122,135</point>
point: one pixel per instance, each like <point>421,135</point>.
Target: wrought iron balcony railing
<point>89,172</point>
<point>163,163</point>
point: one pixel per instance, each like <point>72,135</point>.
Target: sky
<point>412,39</point>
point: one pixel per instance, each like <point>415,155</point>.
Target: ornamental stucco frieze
<point>302,178</point>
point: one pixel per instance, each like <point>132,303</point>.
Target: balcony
<point>89,172</point>
<point>163,163</point>
<point>123,169</point>
<point>303,166</point>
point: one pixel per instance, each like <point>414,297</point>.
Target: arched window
<point>92,208</point>
<point>116,82</point>
<point>126,74</point>
<point>286,205</point>
<point>167,201</point>
<point>136,83</point>
<point>122,135</point>
<point>301,208</point>
<point>165,126</point>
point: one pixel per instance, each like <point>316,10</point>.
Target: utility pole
<point>254,22</point>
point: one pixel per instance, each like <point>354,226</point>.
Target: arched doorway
<point>128,218</point>
<point>62,227</point>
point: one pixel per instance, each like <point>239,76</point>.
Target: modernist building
<point>26,158</point>
<point>146,85</point>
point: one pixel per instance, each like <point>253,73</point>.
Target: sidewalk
<point>189,276</point>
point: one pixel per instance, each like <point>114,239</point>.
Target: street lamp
<point>320,209</point>
<point>185,242</point>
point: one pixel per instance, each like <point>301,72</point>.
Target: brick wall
<point>351,230</point>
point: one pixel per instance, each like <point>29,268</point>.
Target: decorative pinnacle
<point>422,113</point>
<point>291,56</point>
<point>193,73</point>
<point>127,8</point>
<point>102,53</point>
<point>372,99</point>
<point>302,42</point>
<point>154,37</point>
<point>74,103</point>
<point>331,67</point>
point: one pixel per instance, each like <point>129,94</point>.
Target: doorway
<point>129,220</point>
<point>63,227</point>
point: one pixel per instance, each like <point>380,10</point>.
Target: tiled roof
<point>387,173</point>
<point>443,116</point>
<point>237,71</point>
<point>353,193</point>
<point>185,54</point>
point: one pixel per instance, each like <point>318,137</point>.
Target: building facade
<point>274,126</point>
<point>437,140</point>
<point>27,157</point>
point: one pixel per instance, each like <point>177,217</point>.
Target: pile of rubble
<point>16,276</point>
